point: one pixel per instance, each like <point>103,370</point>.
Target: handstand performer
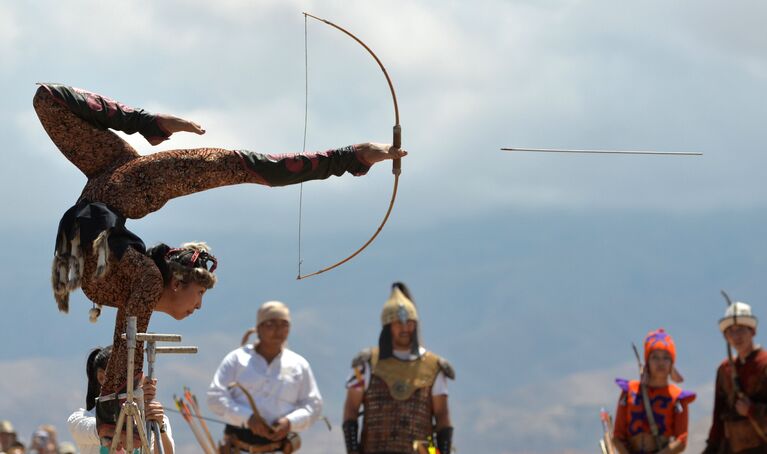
<point>94,249</point>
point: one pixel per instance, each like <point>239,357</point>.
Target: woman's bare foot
<point>376,152</point>
<point>171,124</point>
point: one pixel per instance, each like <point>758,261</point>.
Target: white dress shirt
<point>283,388</point>
<point>82,426</point>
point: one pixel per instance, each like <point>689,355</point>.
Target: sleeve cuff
<point>299,419</point>
<point>295,421</point>
<point>364,164</point>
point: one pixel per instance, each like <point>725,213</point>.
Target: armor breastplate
<point>391,425</point>
<point>403,378</point>
<point>398,407</point>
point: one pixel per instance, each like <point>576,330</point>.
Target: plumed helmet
<point>738,313</point>
<point>399,306</point>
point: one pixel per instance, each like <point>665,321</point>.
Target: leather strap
<point>247,447</point>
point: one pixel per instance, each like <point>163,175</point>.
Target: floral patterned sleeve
<point>287,169</point>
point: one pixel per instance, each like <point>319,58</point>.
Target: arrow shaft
<point>642,152</point>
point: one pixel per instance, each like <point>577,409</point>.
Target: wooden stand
<point>132,413</point>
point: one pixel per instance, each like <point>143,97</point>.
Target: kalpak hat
<point>738,313</point>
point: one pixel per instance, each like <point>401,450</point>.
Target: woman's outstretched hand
<point>171,124</point>
<point>377,152</point>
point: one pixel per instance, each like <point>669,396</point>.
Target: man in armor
<point>402,387</point>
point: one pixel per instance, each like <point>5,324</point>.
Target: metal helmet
<point>399,306</point>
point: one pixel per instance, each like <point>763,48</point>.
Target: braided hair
<point>97,359</point>
<point>187,263</point>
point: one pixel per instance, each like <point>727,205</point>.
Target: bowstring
<point>306,123</point>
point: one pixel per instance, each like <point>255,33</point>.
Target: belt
<point>247,447</point>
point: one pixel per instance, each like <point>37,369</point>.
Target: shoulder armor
<point>623,384</point>
<point>363,358</point>
<point>686,396</point>
<point>446,368</point>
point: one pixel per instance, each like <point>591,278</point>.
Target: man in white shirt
<point>285,397</point>
<point>7,436</point>
<point>402,386</point>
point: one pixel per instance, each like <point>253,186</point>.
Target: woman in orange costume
<point>634,432</point>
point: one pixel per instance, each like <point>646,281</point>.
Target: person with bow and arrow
<point>95,250</point>
<point>739,422</point>
<point>652,414</point>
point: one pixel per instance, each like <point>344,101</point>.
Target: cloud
<point>468,82</point>
<point>563,413</point>
<point>10,32</point>
<point>563,236</point>
<point>40,391</point>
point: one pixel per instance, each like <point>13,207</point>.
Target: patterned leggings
<point>136,185</point>
<point>132,184</point>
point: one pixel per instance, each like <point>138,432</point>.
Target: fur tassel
<point>73,274</point>
<point>63,302</point>
<point>59,282</point>
<point>93,314</point>
<point>101,249</point>
<point>76,263</point>
<point>59,274</point>
<point>62,245</point>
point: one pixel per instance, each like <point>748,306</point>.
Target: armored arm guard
<point>445,440</point>
<point>351,427</point>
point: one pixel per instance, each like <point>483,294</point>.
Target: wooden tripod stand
<point>130,412</point>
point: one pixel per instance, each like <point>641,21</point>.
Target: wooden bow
<point>396,143</point>
<point>252,403</point>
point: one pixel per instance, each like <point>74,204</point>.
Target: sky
<point>533,273</point>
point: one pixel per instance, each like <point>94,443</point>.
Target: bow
<point>252,403</point>
<point>396,143</point>
<point>737,390</point>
